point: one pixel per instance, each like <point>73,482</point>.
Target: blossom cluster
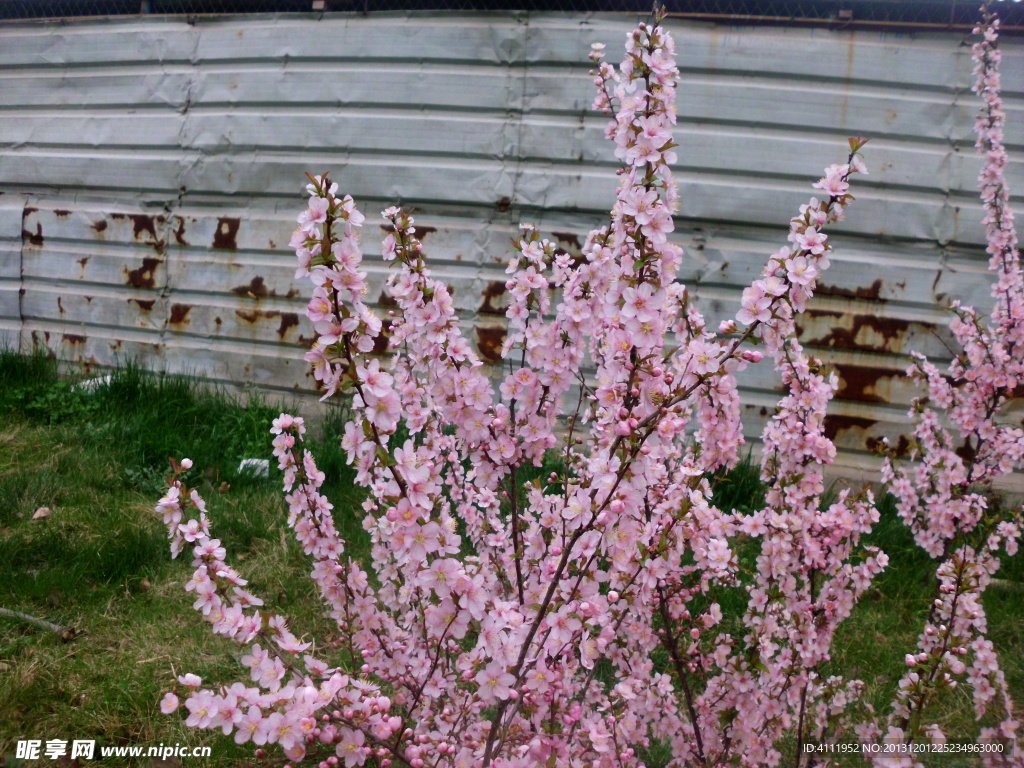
<point>963,443</point>
<point>547,564</point>
<point>297,702</point>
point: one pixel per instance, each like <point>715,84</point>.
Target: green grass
<point>100,562</point>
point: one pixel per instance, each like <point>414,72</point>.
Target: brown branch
<point>66,634</point>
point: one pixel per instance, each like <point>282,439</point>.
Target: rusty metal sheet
<point>11,214</point>
<point>326,84</point>
<point>152,169</point>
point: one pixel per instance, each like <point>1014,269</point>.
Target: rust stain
<point>249,317</point>
<point>28,211</point>
<point>292,293</point>
<point>143,224</point>
<point>288,320</point>
<point>967,451</point>
<point>569,239</point>
<point>503,204</point>
<point>179,313</point>
<point>381,342</point>
<point>862,383</point>
<point>99,226</point>
<point>386,299</point>
<point>217,320</point>
<point>492,292</point>
<point>179,231</point>
<point>61,214</point>
<point>34,238</point>
<point>901,449</point>
<point>859,331</point>
<point>60,306</point>
<point>144,276</point>
<point>256,288</point>
<point>834,424</point>
<point>146,305</point>
<point>488,342</point>
<point>872,292</point>
<point>83,261</point>
<point>226,236</point>
<point>74,339</point>
<point>271,244</point>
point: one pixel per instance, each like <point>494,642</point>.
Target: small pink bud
<point>613,597</point>
<point>911,661</point>
<point>186,463</point>
<point>617,506</point>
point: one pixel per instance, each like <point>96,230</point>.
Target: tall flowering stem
<point>572,620</point>
<point>964,442</point>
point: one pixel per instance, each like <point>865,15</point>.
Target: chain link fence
<point>907,14</point>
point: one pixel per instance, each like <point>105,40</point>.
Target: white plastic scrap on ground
<point>91,385</point>
<point>255,467</point>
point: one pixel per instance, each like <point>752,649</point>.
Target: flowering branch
<point>945,499</point>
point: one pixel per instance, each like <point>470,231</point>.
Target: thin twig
<point>64,633</point>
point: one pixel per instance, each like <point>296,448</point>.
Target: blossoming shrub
<point>574,622</point>
<point>945,498</point>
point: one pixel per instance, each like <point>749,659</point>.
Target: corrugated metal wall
<point>151,170</point>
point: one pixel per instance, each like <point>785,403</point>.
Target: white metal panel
<point>152,169</point>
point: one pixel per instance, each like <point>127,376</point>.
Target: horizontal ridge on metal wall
<point>907,14</point>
